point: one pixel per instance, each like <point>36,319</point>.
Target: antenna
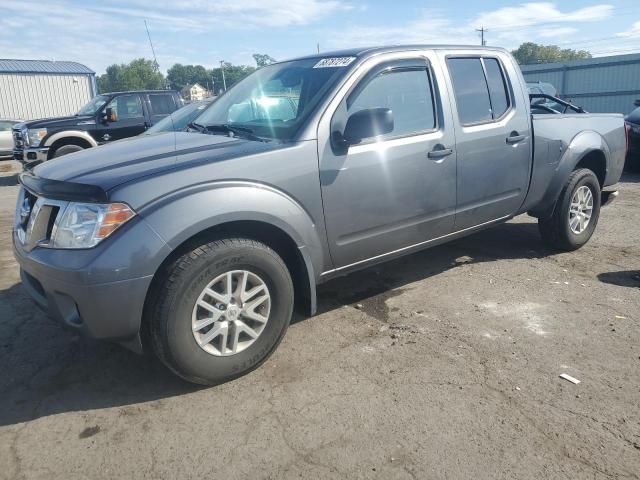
<point>155,60</point>
<point>482,30</point>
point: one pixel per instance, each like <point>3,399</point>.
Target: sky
<point>204,32</point>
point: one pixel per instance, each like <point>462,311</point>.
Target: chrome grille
<point>36,219</point>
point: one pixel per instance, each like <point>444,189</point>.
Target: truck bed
<point>559,137</point>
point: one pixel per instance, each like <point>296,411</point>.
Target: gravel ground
<point>443,364</point>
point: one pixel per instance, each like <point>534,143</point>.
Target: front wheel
<point>66,150</point>
<point>576,213</point>
<point>221,310</point>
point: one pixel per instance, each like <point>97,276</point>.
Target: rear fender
<point>579,148</point>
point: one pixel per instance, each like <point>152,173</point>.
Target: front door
<point>130,119</point>
<point>395,190</point>
<point>493,138</point>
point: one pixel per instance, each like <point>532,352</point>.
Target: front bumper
<point>30,157</point>
<point>99,292</point>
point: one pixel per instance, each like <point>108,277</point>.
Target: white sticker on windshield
<point>334,62</point>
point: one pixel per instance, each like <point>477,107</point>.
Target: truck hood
<point>127,160</point>
<point>58,121</point>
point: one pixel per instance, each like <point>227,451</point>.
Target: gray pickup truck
<point>198,244</point>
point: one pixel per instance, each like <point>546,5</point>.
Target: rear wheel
<point>66,149</point>
<point>221,310</point>
<point>576,213</point>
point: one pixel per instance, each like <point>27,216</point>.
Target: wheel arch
<point>588,150</point>
<point>70,137</point>
<point>296,259</point>
<point>184,219</point>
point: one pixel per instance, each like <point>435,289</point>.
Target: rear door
<point>493,138</point>
<point>388,192</point>
<point>160,105</point>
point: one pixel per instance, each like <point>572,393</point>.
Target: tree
<point>179,76</point>
<point>140,74</point>
<point>232,74</point>
<point>529,53</point>
<point>262,59</point>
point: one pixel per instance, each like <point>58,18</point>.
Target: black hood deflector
<point>62,190</point>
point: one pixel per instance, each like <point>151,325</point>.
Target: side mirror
<point>538,101</point>
<point>366,124</point>
<point>110,115</point>
<point>637,103</point>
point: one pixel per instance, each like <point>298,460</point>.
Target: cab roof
<point>364,52</point>
<point>139,91</point>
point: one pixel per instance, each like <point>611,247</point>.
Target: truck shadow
<point>370,288</point>
<point>9,180</point>
<point>628,278</point>
<point>48,370</point>
<point>630,177</point>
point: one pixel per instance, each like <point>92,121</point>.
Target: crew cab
<point>198,244</point>
<point>106,118</point>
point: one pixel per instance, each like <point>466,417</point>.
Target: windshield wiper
<point>197,126</point>
<point>235,130</point>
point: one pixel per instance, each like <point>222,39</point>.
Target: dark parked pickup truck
<point>106,118</point>
<point>197,244</point>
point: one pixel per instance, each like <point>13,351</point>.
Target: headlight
<point>84,225</point>
<point>35,135</point>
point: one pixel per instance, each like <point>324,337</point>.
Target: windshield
<point>179,119</point>
<point>273,102</point>
<point>95,104</point>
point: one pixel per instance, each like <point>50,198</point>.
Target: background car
<point>544,88</point>
<point>632,122</point>
<point>108,117</point>
<point>182,117</point>
<point>6,139</point>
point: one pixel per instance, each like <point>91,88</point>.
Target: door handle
<point>438,153</point>
<point>515,138</point>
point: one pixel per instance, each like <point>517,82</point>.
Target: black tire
<point>174,298</point>
<point>66,149</point>
<point>555,231</point>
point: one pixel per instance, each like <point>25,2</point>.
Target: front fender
<point>70,134</point>
<point>580,146</point>
<point>185,213</point>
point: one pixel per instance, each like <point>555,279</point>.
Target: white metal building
<point>31,89</point>
<point>601,84</point>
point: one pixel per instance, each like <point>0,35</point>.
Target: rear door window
<point>498,91</point>
<point>162,104</point>
<point>480,88</point>
<point>470,87</point>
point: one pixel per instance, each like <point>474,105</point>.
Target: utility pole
<point>482,30</point>
<point>155,60</point>
<point>224,82</point>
